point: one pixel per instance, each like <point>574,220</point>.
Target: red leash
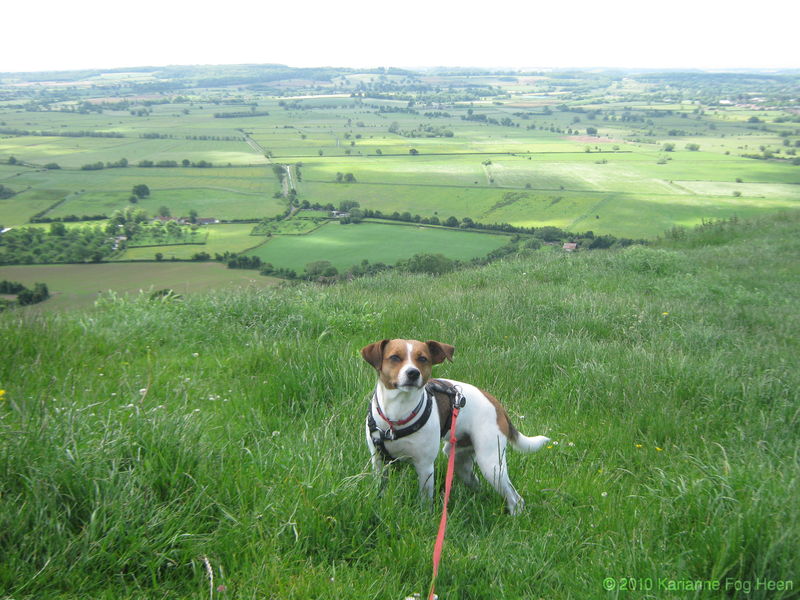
<point>451,462</point>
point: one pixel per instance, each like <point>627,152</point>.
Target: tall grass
<point>145,446</point>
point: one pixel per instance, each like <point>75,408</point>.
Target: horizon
<point>489,69</point>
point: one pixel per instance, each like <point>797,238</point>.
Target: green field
<point>220,238</point>
<point>79,286</point>
<point>219,203</point>
<point>610,153</point>
<point>76,152</point>
<point>214,447</point>
<point>346,245</point>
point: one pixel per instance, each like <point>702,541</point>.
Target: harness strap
<point>380,437</point>
<point>457,400</point>
<point>410,417</point>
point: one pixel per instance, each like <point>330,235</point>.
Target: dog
<point>409,414</point>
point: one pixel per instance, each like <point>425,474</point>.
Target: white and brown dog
<point>401,422</point>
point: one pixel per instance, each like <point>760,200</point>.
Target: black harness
<point>379,436</point>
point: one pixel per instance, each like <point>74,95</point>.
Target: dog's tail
<point>523,443</point>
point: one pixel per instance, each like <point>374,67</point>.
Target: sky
<point>704,34</point>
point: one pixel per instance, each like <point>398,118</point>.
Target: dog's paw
<point>517,507</point>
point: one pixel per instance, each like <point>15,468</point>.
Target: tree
<point>193,216</point>
<point>37,294</point>
<point>173,229</point>
<point>413,152</point>
<point>321,268</point>
<point>346,205</point>
<point>435,264</point>
<point>163,211</point>
<point>58,229</point>
<point>159,256</point>
<point>356,216</point>
<point>349,178</point>
<point>141,191</point>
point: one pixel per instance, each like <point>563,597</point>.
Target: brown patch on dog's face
<point>405,363</point>
<point>373,353</point>
<point>440,352</point>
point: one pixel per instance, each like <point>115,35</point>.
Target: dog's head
<point>406,364</point>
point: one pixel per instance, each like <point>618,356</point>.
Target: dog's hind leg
<point>492,462</point>
<point>465,459</point>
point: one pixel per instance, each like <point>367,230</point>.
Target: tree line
<point>60,133</point>
<point>34,245</point>
<point>241,114</point>
<point>144,164</point>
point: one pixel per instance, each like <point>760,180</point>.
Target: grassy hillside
<point>146,445</point>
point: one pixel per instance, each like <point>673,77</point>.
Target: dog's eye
<point>422,359</point>
<point>394,358</point>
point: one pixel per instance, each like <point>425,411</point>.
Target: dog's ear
<point>373,353</point>
<point>440,351</point>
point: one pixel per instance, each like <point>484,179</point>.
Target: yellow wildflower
<point>659,449</point>
<point>638,445</point>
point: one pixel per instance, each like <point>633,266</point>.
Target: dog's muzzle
<point>410,378</point>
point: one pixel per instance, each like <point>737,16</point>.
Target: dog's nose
<point>412,374</point>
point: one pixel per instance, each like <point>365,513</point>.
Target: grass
<point>18,209</point>
<point>79,286</point>
<point>238,179</point>
<point>218,203</point>
<point>347,245</point>
<point>143,443</point>
<point>234,237</point>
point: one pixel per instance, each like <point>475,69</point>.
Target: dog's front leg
<point>425,475</point>
<point>379,468</point>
